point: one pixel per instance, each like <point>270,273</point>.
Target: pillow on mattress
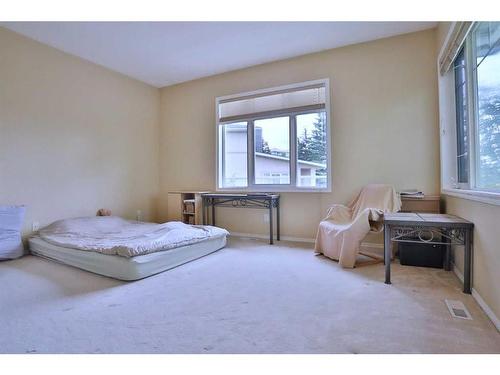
<point>116,236</point>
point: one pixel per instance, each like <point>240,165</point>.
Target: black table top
<point>402,218</point>
<point>241,195</point>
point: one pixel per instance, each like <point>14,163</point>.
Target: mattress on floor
<point>123,268</point>
<point>113,235</point>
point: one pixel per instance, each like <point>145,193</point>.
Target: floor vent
<point>458,309</point>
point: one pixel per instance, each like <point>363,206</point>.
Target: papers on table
<point>412,193</point>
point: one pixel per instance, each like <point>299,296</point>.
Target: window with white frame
<point>274,139</point>
<point>485,45</point>
<point>476,78</point>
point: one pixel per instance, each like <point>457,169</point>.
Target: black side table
<point>423,228</point>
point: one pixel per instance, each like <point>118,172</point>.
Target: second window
<point>288,140</point>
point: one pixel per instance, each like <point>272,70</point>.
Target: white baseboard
<point>266,237</point>
<point>373,245</point>
<point>297,239</point>
<point>489,312</point>
<point>480,301</point>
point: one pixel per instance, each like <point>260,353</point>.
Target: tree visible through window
<point>312,149</point>
<point>476,70</point>
<point>487,46</point>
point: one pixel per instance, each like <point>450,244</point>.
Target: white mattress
<point>112,235</point>
<point>122,268</point>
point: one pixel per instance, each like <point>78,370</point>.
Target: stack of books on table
<point>412,193</point>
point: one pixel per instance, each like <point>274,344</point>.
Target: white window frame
<point>467,190</point>
<point>252,187</point>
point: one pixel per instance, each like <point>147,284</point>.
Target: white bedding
<point>115,236</point>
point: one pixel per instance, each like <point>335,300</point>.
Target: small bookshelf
<point>185,206</point>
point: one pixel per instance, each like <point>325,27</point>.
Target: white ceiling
<point>165,53</point>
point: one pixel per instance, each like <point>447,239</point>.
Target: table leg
<point>271,222</point>
<point>387,253</point>
<point>203,209</point>
<point>278,219</point>
<point>468,239</point>
<point>213,212</point>
<point>447,255</point>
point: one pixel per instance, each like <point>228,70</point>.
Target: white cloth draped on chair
<point>340,234</point>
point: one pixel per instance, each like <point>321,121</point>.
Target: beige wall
<point>486,259</point>
<point>74,136</point>
<point>384,126</point>
<point>486,218</point>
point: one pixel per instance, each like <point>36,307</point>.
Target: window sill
<point>474,195</point>
<point>272,190</point>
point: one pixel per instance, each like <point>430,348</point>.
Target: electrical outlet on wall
<point>35,226</point>
<point>266,217</point>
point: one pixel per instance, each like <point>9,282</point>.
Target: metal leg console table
<point>262,201</point>
<point>426,228</point>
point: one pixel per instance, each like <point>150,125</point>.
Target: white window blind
<point>459,31</point>
<point>274,102</point>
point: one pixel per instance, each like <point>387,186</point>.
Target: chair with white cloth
<point>340,234</point>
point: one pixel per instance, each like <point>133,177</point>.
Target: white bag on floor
<point>11,222</point>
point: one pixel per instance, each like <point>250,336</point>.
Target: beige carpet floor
<point>247,298</point>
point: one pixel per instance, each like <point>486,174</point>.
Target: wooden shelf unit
<point>185,206</point>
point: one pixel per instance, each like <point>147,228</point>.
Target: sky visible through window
<point>273,133</point>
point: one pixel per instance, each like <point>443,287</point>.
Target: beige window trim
<point>456,37</point>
